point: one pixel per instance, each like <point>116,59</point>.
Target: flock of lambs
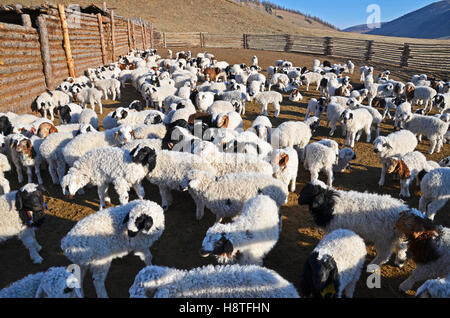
<point>194,141</point>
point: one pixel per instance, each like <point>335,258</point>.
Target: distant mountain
<point>430,22</point>
<point>361,28</point>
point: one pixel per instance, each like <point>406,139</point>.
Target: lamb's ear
<point>284,158</point>
<point>157,119</point>
<point>53,129</point>
<point>224,121</point>
<point>351,115</point>
<point>124,114</point>
<point>126,219</point>
<point>19,202</point>
<point>403,172</point>
<point>194,184</point>
<point>228,248</point>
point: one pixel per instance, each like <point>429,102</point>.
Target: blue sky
<point>346,13</point>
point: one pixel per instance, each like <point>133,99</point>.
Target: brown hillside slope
<point>221,16</point>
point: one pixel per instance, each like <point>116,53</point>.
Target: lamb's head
<point>320,277</point>
<point>399,88</point>
<point>263,132</point>
<point>58,282</point>
<point>65,86</point>
<point>398,166</point>
<point>439,102</point>
<point>152,279</point>
<point>321,201</point>
<point>347,116</point>
<point>85,128</point>
<point>346,154</point>
<point>405,117</point>
<point>45,129</point>
<point>140,220</point>
<point>279,161</point>
<point>124,134</point>
<point>352,102</point>
<point>445,162</point>
<point>145,156</point>
<point>64,114</point>
<point>409,91</point>
<point>196,180</point>
<point>24,147</point>
<point>42,102</point>
<point>29,202</point>
<point>5,126</point>
<point>154,119</point>
<point>73,181</point>
<point>295,96</point>
<point>387,88</point>
<point>120,113</point>
<point>382,145</point>
<point>218,244</point>
<point>136,104</point>
<point>313,123</point>
<point>254,88</point>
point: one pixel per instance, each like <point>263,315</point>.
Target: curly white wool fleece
<point>285,173</point>
<point>150,131</point>
<point>103,166</point>
<point>170,169</point>
<point>253,234</point>
<point>225,196</point>
<point>225,162</point>
<point>435,288</point>
<point>229,281</point>
<point>397,144</point>
<point>4,166</point>
<point>292,133</point>
<point>349,252</point>
<point>102,236</point>
<point>11,225</point>
<point>371,216</point>
<point>320,157</point>
<point>435,187</point>
<point>85,142</point>
<point>48,284</point>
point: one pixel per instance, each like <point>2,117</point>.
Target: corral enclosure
<point>180,243</point>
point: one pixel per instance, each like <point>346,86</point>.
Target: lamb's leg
<point>52,116</point>
<point>100,106</point>
<point>122,189</point>
<point>92,103</point>
<point>423,203</point>
<point>105,94</point>
<point>113,92</point>
<point>83,271</point>
<point>37,169</point>
<point>266,106</point>
<point>368,134</point>
<point>166,197</point>
<point>421,273</point>
<point>119,94</point>
<point>61,169</point>
<point>145,256</point>
<point>384,252</point>
<point>401,248</point>
<point>99,273</point>
<point>329,173</point>
<point>199,209</point>
<point>101,190</point>
<point>405,187</point>
<point>277,109</point>
<point>314,175</point>
<point>30,175</point>
<point>383,175</point>
<point>333,128</point>
<point>350,288</point>
<point>352,140</point>
<point>433,143</point>
<point>293,184</point>
<point>139,189</point>
<point>29,241</point>
<point>434,207</point>
<point>4,185</point>
<point>52,171</point>
<point>36,244</point>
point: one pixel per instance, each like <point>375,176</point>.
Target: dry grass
<point>223,16</point>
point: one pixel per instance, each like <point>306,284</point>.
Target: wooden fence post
<point>289,43</point>
<point>144,41</point>
<point>102,38</point>
<point>405,55</point>
<point>66,39</point>
<point>202,40</point>
<point>369,51</point>
<point>26,21</point>
<point>113,37</point>
<point>164,40</point>
<point>245,41</point>
<point>45,53</point>
<point>328,46</point>
<point>151,36</point>
<point>129,35</point>
<point>133,34</point>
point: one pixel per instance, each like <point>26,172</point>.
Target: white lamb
<point>319,157</point>
<point>225,196</point>
<point>311,78</point>
<point>429,126</point>
<point>334,113</point>
<point>371,216</point>
<point>262,128</point>
<point>293,134</point>
<point>89,117</point>
<point>379,90</point>
<point>204,100</point>
<point>435,187</point>
<point>316,106</point>
<point>285,166</point>
<point>395,144</point>
<point>221,281</point>
<point>109,86</point>
<point>89,95</point>
<point>377,118</point>
<point>101,167</point>
<point>95,241</point>
<point>56,282</point>
<point>249,238</point>
<point>337,261</point>
<point>269,97</point>
<point>48,101</point>
<point>356,121</point>
<point>21,213</point>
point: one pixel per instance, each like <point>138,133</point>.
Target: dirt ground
<point>178,247</point>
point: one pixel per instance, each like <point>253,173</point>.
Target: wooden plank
<point>113,37</point>
<point>45,53</point>
<point>66,40</point>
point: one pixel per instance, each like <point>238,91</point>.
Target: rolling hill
<point>430,22</point>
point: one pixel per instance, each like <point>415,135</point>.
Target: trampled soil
<point>178,247</point>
